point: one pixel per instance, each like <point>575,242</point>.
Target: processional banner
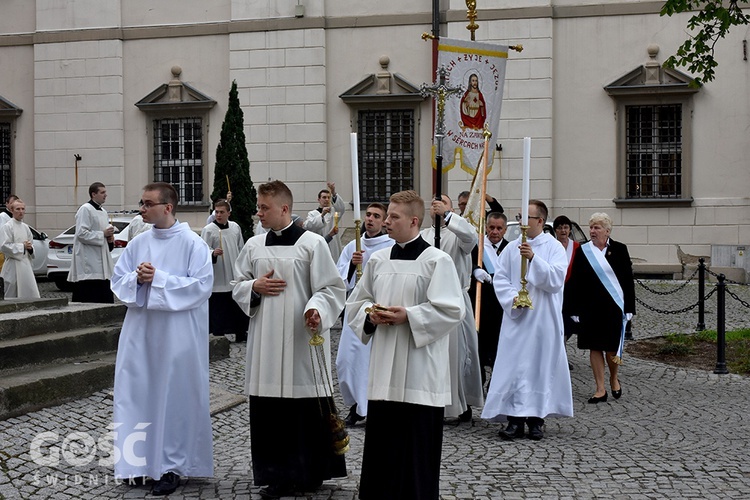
<point>479,68</point>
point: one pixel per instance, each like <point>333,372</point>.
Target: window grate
<point>654,151</point>
<point>178,157</point>
<point>386,153</point>
<point>5,158</point>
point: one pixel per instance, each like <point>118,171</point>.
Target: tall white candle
<point>526,177</point>
<point>355,177</point>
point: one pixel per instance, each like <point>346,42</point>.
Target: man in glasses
<point>530,379</point>
<point>161,396</point>
<point>91,265</point>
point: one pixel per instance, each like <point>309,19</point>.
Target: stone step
<point>27,323</point>
<point>43,386</point>
<point>50,347</point>
<point>15,305</point>
<point>33,387</point>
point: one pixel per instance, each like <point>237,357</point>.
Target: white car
<point>61,248</point>
<point>39,259</point>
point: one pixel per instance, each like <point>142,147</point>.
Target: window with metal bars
<point>5,156</point>
<point>386,153</point>
<point>653,148</point>
<point>178,156</point>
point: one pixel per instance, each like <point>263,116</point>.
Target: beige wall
<point>80,66</point>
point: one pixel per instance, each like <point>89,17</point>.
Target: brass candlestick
<point>523,299</point>
<point>336,219</point>
<point>358,245</point>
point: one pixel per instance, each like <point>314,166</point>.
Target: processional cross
<point>439,91</point>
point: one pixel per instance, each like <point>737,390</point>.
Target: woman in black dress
<point>600,297</point>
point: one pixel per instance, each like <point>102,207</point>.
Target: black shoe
<point>352,418</point>
<point>512,431</point>
<point>535,431</point>
<point>465,416</point>
<point>134,481</point>
<point>617,393</point>
<point>601,399</point>
<point>276,491</point>
<point>166,485</point>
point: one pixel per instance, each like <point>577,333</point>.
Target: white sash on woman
<point>607,276</point>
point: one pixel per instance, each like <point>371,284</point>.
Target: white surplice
<point>230,241</point>
<point>91,258</point>
<point>353,357</point>
<point>323,224</point>
<point>137,226</point>
<point>278,354</point>
<point>18,272</point>
<point>408,362</point>
<point>161,374</point>
<point>457,239</point>
<point>531,377</point>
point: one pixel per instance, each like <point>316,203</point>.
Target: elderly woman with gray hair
<point>600,297</point>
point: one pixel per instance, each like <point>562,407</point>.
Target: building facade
<point>128,92</point>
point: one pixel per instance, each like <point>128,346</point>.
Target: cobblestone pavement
<point>675,433</point>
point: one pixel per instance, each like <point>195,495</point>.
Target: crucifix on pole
<point>439,91</point>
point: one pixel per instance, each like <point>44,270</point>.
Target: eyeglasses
<point>519,217</point>
<point>149,204</point>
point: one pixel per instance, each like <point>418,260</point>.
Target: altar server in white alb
<point>530,379</point>
<point>353,357</point>
<point>161,398</point>
<point>91,265</point>
<point>458,238</point>
<point>289,286</point>
<point>323,221</point>
<point>224,237</point>
<point>406,304</point>
<point>18,250</point>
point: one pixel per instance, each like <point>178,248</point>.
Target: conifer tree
<point>233,163</point>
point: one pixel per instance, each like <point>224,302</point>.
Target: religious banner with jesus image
<point>479,68</point>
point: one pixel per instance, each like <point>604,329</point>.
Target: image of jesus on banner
<point>473,107</point>
<point>479,69</point>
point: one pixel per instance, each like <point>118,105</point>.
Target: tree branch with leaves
<point>712,19</point>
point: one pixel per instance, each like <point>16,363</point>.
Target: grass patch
<point>675,349</point>
<point>697,350</point>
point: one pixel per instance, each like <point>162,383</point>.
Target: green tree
<point>232,163</point>
<point>712,19</point>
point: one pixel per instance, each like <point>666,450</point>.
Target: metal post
<point>701,293</point>
<point>438,184</point>
<point>721,361</point>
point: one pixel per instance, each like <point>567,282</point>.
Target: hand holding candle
<point>355,176</point>
<point>525,183</point>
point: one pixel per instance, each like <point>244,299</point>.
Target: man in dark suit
<point>491,314</point>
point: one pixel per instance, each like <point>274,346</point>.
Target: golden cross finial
<point>471,15</point>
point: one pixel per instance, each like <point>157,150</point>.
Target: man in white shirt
<point>224,238</point>
<point>406,305</point>
<point>324,219</point>
<point>18,272</point>
<point>353,357</point>
<point>164,277</point>
<point>289,286</point>
<point>91,265</point>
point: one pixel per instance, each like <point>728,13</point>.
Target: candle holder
<point>523,299</point>
<point>358,245</point>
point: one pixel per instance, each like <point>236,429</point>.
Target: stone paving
<point>675,433</point>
